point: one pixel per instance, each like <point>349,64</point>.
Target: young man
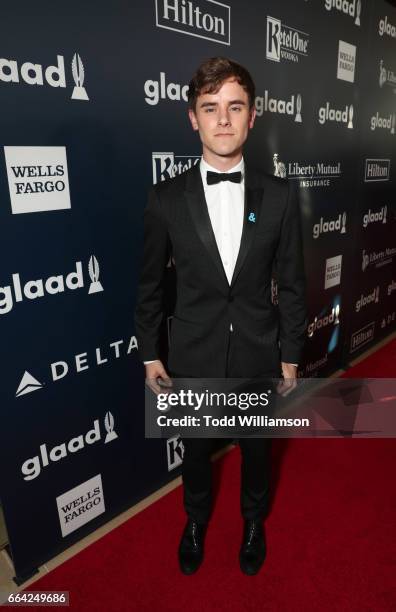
<point>226,226</point>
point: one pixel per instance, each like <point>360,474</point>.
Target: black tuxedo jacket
<point>177,223</point>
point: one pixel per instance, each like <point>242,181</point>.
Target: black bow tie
<point>215,177</point>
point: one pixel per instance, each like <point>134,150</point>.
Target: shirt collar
<point>204,167</point>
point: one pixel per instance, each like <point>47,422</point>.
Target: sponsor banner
<point>169,165</point>
<point>207,19</point>
<point>346,61</point>
<point>333,271</point>
<point>33,73</point>
<point>285,42</point>
<point>38,179</point>
<point>376,170</point>
<point>80,505</point>
<point>314,174</point>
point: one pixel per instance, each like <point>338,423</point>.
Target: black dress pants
<point>255,466</point>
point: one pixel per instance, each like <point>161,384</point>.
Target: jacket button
<point>230,298</point>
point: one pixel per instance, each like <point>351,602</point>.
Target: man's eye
<point>209,110</point>
<point>237,108</point>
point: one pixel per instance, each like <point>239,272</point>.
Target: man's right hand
<point>157,378</point>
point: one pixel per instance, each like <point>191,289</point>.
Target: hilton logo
<point>285,42</point>
<point>362,336</point>
<point>377,170</point>
<point>206,19</point>
<point>168,165</point>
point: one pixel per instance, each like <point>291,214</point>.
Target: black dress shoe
<point>191,546</point>
<point>253,548</point>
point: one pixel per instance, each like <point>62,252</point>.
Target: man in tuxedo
<point>227,227</point>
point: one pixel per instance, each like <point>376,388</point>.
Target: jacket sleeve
<point>291,282</point>
<point>149,305</point>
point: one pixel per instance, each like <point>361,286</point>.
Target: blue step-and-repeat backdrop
<point>93,99</point>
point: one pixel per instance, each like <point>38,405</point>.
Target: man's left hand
<point>289,371</point>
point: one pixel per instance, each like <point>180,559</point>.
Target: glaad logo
<point>80,362</point>
<point>385,27</point>
<point>362,336</point>
<point>377,170</point>
<point>375,217</point>
<point>325,321</point>
<point>37,179</point>
<point>168,165</point>
<point>346,61</point>
<point>285,42</point>
<point>189,18</point>
<point>364,300</point>
<point>291,107</point>
<point>80,505</point>
<point>79,92</point>
<point>160,90</point>
<point>31,468</point>
<point>174,452</point>
<point>385,123</point>
<point>316,174</point>
<point>54,76</point>
<point>34,289</point>
<point>340,116</point>
<point>349,7</point>
<point>335,225</point>
<point>386,77</point>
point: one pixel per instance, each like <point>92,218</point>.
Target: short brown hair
<point>210,75</point>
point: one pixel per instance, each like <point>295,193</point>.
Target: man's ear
<point>193,119</point>
<point>252,117</point>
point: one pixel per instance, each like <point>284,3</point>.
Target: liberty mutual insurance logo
<point>285,42</point>
<point>315,174</point>
<point>32,73</point>
<point>19,290</point>
<point>386,77</point>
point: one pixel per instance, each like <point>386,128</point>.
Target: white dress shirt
<point>225,202</point>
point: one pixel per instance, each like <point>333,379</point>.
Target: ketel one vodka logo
<point>384,123</point>
<point>285,42</point>
<point>334,225</point>
<point>327,113</point>
<point>169,165</point>
<point>54,76</point>
<point>31,468</point>
<point>18,291</point>
<point>353,8</point>
<point>291,107</point>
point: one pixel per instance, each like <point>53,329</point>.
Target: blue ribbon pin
<point>252,217</point>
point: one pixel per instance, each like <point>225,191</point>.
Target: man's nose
<point>224,117</point>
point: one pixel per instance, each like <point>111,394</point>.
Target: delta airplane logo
<point>54,76</point>
<point>34,289</point>
<point>79,363</point>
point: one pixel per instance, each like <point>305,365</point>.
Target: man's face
<point>223,119</point>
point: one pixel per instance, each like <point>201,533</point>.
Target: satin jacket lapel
<point>196,201</point>
<point>252,208</point>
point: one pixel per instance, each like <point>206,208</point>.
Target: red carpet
<point>331,537</point>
